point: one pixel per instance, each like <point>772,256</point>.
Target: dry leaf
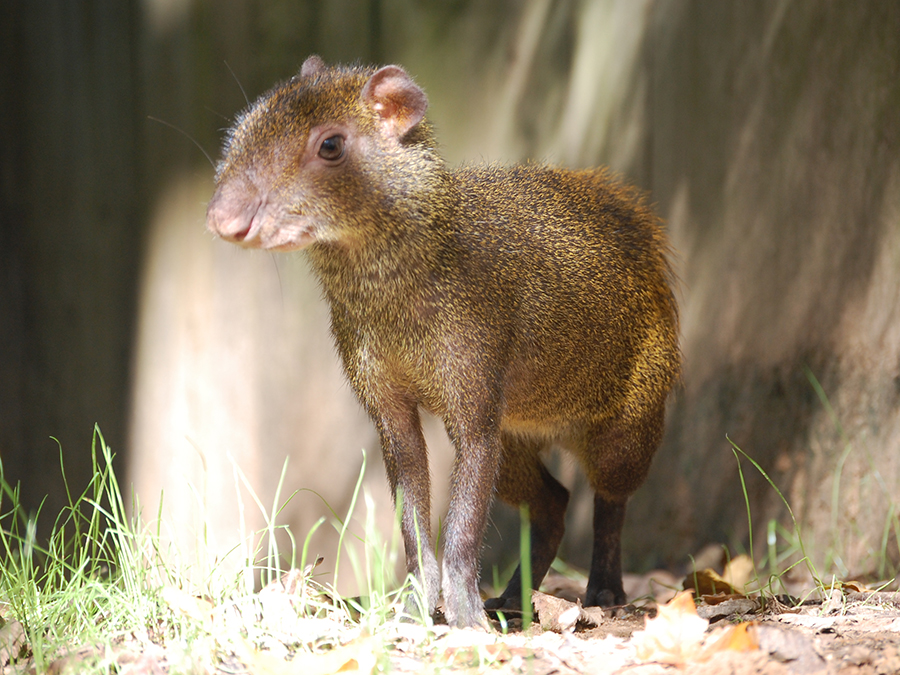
<point>739,571</point>
<point>675,635</point>
<point>188,605</point>
<point>558,615</point>
<point>468,646</point>
<point>593,616</point>
<point>357,656</point>
<point>496,652</point>
<point>554,613</point>
<point>12,641</point>
<point>715,608</point>
<point>739,638</point>
<point>719,598</point>
<point>708,582</point>
<point>742,638</point>
<point>853,586</point>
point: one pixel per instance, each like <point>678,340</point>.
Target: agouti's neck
<point>397,260</point>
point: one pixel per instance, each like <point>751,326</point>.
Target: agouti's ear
<point>396,98</point>
<point>311,66</point>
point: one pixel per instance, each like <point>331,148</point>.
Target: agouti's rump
<point>525,306</point>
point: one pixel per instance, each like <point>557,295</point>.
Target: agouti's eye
<point>332,148</point>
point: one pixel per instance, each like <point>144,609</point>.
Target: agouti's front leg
<point>471,489</point>
<point>406,464</point>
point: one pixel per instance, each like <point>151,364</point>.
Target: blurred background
<point>767,133</point>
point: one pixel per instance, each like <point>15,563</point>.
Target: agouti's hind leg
<point>524,479</point>
<point>604,587</point>
<point>616,461</point>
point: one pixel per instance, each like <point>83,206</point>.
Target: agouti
<point>525,306</point>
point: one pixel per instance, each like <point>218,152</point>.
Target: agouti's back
<point>578,262</point>
<point>525,306</point>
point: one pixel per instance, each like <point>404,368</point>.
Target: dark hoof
<point>605,598</point>
<point>502,604</point>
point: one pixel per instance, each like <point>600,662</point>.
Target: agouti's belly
<point>544,397</point>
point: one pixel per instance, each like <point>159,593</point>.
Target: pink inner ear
<point>397,99</point>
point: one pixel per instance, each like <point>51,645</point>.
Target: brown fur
<point>524,306</point>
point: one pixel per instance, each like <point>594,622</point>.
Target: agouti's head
<point>326,157</point>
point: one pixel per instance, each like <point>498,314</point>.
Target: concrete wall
<point>774,152</point>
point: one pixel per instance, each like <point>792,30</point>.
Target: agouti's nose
<point>230,216</point>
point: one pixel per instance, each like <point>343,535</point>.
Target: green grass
<point>84,580</point>
<point>103,584</point>
<point>776,568</point>
<point>787,549</point>
<point>882,556</point>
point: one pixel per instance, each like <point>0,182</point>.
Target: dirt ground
<point>863,636</point>
<point>851,630</point>
<point>848,633</point>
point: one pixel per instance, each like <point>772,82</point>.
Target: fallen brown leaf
<point>357,656</point>
<point>678,635</point>
<point>715,608</point>
<point>558,615</point>
<point>473,655</point>
<point>708,582</point>
<point>193,607</point>
<point>739,571</point>
<point>739,638</point>
<point>742,637</point>
<point>719,598</point>
<point>675,635</point>
<point>555,613</point>
<point>853,586</point>
<point>12,642</point>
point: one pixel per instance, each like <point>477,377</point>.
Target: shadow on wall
<point>775,150</point>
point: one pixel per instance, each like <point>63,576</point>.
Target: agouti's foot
<point>464,609</point>
<point>605,598</point>
<point>502,604</point>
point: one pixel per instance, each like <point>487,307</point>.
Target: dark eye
<point>332,148</point>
